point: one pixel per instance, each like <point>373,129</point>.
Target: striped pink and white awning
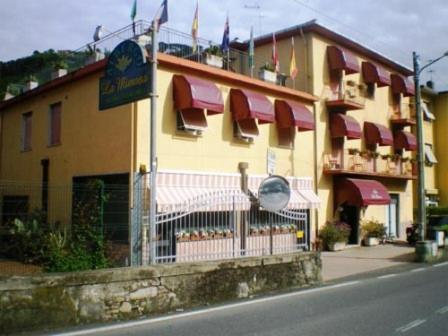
<point>302,193</point>
<point>191,191</point>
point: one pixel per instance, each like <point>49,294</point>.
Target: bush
<point>372,228</point>
<point>334,232</point>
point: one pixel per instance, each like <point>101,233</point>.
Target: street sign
<point>127,76</point>
<point>270,162</point>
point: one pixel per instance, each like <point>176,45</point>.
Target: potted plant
<point>59,69</point>
<point>93,55</point>
<point>213,56</point>
<point>335,235</point>
<point>267,73</point>
<point>31,82</point>
<point>372,231</point>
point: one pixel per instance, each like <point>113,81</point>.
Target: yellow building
<point>363,141</point>
<point>217,132</point>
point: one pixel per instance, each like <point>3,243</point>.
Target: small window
<point>370,90</point>
<point>54,136</point>
<point>430,158</point>
<point>191,121</point>
<point>245,130</point>
<point>27,119</point>
<point>427,114</point>
<point>14,207</point>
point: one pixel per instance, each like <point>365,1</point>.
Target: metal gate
<point>222,225</point>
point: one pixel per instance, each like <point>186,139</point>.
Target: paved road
<point>410,303</point>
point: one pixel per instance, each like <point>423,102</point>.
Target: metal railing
<point>403,111</point>
<point>369,163</point>
<point>222,226</point>
<point>171,42</point>
<point>347,91</point>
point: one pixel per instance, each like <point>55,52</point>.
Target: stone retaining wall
<point>58,300</point>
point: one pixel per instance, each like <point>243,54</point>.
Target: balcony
<point>369,164</point>
<point>403,115</point>
<point>348,96</point>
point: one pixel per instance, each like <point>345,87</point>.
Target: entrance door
<point>350,215</point>
<point>392,219</point>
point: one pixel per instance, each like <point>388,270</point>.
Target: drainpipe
<point>315,152</point>
<point>242,167</point>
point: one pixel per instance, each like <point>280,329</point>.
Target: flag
<point>251,49</point>
<point>292,63</point>
<point>194,29</point>
<point>275,61</point>
<point>133,15</point>
<point>226,37</point>
<point>161,15</point>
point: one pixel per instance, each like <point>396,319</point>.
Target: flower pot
<point>371,241</point>
<point>268,76</point>
<point>213,60</point>
<point>337,246</point>
<point>58,73</point>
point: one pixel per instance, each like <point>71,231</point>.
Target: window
<point>54,136</point>
<point>245,130</point>
<point>27,119</point>
<point>427,114</point>
<point>191,121</point>
<point>14,207</point>
<point>430,158</point>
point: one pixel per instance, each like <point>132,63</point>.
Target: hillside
<point>40,64</point>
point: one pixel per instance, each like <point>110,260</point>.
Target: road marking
<point>442,310</point>
<point>418,269</point>
<point>441,264</point>
<point>202,311</point>
<point>410,325</point>
<point>387,276</point>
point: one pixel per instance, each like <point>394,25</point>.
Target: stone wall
<point>58,300</point>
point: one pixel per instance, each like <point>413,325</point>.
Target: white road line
<point>387,276</point>
<point>441,264</point>
<point>418,269</point>
<point>202,311</point>
<point>410,325</point>
<point>442,310</point>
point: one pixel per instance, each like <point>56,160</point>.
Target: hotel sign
<point>127,76</point>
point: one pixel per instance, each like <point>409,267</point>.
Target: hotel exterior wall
<point>92,142</point>
<point>441,138</point>
<point>376,110</point>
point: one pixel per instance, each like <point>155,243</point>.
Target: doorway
<point>350,215</point>
<point>392,217</point>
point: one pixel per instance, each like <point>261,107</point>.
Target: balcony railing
<point>171,42</point>
<point>348,96</point>
<point>403,114</point>
<point>349,162</point>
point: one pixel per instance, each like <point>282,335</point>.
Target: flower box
<point>267,76</point>
<point>214,60</point>
<point>336,246</point>
<point>371,241</point>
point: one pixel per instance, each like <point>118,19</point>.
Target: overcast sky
<point>393,27</point>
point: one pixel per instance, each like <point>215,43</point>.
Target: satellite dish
<point>274,193</point>
<point>98,35</point>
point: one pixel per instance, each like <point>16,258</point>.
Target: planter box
<point>338,246</point>
<point>58,73</point>
<point>213,60</point>
<point>30,85</point>
<point>267,76</point>
<point>371,241</point>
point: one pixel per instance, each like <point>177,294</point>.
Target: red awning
<point>373,73</point>
<point>341,59</point>
<point>342,125</point>
<point>401,84</point>
<point>195,93</point>
<point>377,134</point>
<point>405,140</point>
<point>361,193</point>
<point>289,113</point>
<point>246,104</point>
